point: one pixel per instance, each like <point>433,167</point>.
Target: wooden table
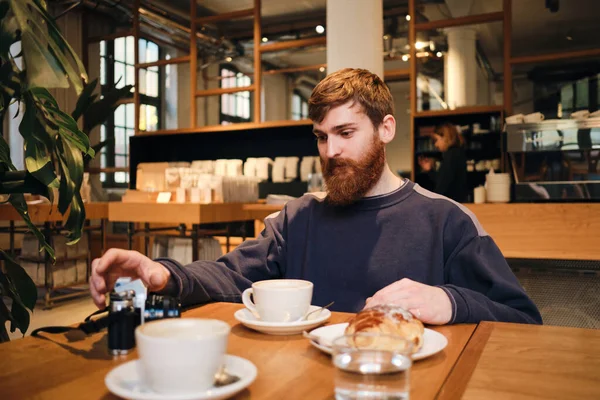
<point>52,220</point>
<point>183,214</point>
<point>514,361</point>
<point>288,366</point>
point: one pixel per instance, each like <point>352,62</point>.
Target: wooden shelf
<point>461,21</point>
<point>555,56</point>
<point>225,128</point>
<point>459,111</point>
<point>293,44</point>
<point>58,260</point>
<point>225,16</point>
<point>75,285</point>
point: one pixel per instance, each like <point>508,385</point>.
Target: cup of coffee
<point>181,355</point>
<point>279,300</point>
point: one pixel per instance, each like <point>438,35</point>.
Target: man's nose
<point>334,147</point>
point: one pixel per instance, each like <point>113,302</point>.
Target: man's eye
<point>321,139</point>
<point>346,133</point>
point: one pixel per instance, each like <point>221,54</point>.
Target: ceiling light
<point>265,40</point>
<point>322,69</point>
<point>229,59</point>
<point>405,57</point>
<point>439,54</point>
<point>320,29</point>
<point>569,37</point>
<point>407,17</point>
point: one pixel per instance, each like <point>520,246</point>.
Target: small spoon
<point>223,378</point>
<point>305,318</point>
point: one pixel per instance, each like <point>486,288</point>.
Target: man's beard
<point>349,181</point>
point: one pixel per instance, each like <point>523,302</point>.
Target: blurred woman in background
<point>451,177</point>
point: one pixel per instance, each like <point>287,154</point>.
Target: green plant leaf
<point>86,98</point>
<point>5,155</point>
<point>20,316</point>
<point>21,280</point>
<point>5,315</point>
<point>99,146</point>
<point>69,130</point>
<point>71,166</point>
<point>39,163</point>
<point>44,47</point>
<point>33,127</point>
<point>63,44</point>
<point>19,203</point>
<point>99,111</point>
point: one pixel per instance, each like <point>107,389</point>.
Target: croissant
<point>387,320</point>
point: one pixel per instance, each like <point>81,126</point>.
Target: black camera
<point>127,310</point>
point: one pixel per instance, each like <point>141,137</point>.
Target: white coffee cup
<point>181,355</point>
<point>534,117</point>
<point>479,195</point>
<point>279,300</point>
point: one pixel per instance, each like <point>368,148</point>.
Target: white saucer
<point>282,328</point>
<point>433,342</point>
<point>124,381</point>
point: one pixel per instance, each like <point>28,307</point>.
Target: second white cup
<point>279,300</point>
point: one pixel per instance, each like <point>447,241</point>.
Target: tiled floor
<point>66,312</point>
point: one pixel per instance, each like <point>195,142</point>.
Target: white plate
<point>433,342</point>
<point>124,381</point>
<point>282,328</point>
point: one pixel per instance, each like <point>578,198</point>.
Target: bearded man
<point>375,238</point>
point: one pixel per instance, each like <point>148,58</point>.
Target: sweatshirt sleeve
<point>225,279</point>
<point>482,287</point>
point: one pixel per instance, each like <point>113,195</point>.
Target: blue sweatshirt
<point>349,253</point>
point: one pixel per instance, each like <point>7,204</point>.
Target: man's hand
<point>430,304</point>
<point>117,263</point>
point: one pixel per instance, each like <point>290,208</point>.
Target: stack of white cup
<point>497,187</point>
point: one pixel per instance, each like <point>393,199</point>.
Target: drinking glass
<point>372,366</point>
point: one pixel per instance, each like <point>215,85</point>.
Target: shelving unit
<point>480,147</point>
<point>50,221</point>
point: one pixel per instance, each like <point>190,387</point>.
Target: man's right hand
<point>117,263</point>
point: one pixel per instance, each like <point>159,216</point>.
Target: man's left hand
<point>430,304</point>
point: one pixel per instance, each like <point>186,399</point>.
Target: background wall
<point>398,151</point>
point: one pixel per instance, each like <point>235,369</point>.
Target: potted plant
<point>55,147</point>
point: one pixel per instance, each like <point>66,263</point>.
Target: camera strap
<point>88,326</point>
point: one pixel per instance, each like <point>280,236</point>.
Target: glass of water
<point>372,366</point>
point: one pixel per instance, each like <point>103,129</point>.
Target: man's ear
<point>387,129</point>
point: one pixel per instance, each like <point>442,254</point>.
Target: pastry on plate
<point>385,320</point>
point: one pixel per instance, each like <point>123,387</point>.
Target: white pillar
<point>461,68</point>
<point>355,35</point>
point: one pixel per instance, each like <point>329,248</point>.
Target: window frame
<point>109,151</point>
<point>303,102</point>
<point>232,119</point>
